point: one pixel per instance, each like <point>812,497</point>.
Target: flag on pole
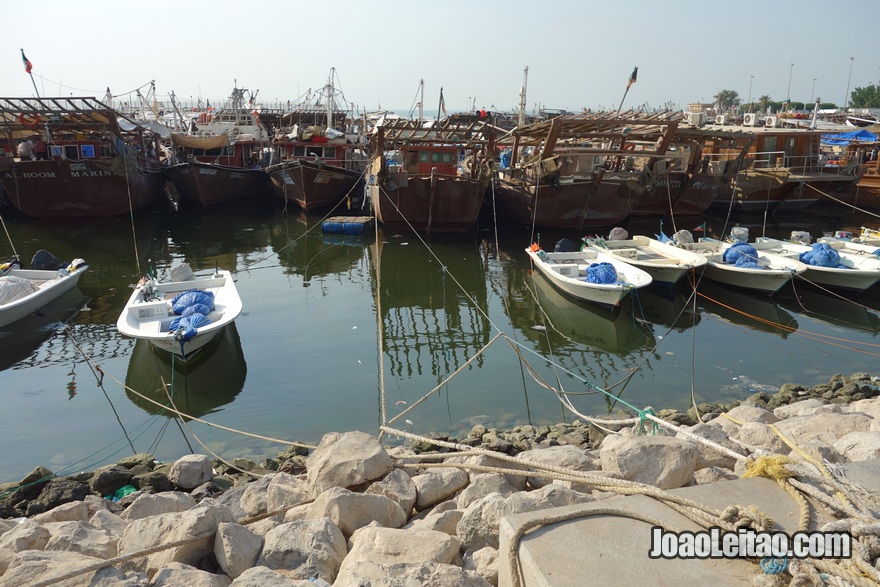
<point>28,66</point>
<point>632,77</point>
<point>443,103</point>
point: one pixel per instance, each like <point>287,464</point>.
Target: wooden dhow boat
<point>221,159</point>
<point>429,176</point>
<point>589,274</point>
<point>593,170</point>
<point>316,165</point>
<point>25,291</point>
<point>181,316</point>
<point>85,159</point>
<point>782,170</point>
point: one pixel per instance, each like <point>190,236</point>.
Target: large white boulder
<point>83,538</point>
<point>27,535</point>
<point>32,566</point>
<point>263,577</point>
<point>408,575</point>
<point>435,485</point>
<point>153,504</point>
<point>350,511</point>
<point>569,457</point>
<point>236,548</point>
<point>662,461</point>
<point>827,427</point>
<point>346,459</point>
<point>285,490</point>
<point>190,471</point>
<point>196,526</point>
<point>177,574</point>
<point>478,527</point>
<point>305,549</point>
<point>389,546</point>
<point>859,446</point>
<point>481,485</point>
<point>397,486</point>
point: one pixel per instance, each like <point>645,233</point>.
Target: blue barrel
<point>332,227</point>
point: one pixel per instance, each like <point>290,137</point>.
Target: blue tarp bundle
<point>742,255</point>
<point>193,296</point>
<point>822,255</point>
<point>193,307</point>
<point>845,138</point>
<point>603,273</point>
<point>188,325</point>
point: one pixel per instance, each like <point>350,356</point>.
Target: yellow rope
<point>807,457</point>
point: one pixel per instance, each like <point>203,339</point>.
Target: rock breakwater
<point>355,512</point>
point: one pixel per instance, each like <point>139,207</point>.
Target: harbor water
<point>342,333</point>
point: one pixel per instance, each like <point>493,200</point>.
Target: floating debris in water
<point>354,327</point>
<point>400,403</point>
<point>539,327</point>
<point>409,423</point>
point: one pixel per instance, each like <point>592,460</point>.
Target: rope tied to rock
<point>643,415</point>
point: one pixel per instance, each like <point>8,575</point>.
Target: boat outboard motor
<point>44,260</point>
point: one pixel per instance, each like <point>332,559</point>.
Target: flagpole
<point>35,84</point>
<point>632,80</point>
<point>27,68</point>
<point>625,92</point>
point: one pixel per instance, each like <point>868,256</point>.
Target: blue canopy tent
<point>845,138</point>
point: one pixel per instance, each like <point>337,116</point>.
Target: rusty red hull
<point>314,186</point>
<point>448,204</point>
<point>78,189</point>
<point>578,205</point>
<point>209,184</point>
<point>679,195</point>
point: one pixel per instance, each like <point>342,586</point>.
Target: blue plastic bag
<point>603,273</point>
<point>821,255</point>
<point>196,309</point>
<point>190,297</point>
<point>737,250</point>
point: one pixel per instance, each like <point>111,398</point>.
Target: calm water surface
<point>303,359</point>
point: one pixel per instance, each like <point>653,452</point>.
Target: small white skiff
<point>183,316</point>
<point>569,272</point>
<point>24,291</point>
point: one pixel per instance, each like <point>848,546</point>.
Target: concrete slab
<point>608,550</point>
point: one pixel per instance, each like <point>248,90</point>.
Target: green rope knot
<point>643,415</point>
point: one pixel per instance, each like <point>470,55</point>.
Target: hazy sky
<point>579,53</point>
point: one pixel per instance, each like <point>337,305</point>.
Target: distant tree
<point>727,99</point>
<point>867,97</point>
<point>763,102</point>
<point>827,106</point>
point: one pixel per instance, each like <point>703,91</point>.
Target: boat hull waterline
<point>150,319</point>
<point>567,272</point>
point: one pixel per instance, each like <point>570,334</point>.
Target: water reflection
<point>831,308</point>
<point>614,331</point>
<point>232,237</point>
<point>22,342</point>
<point>305,251</point>
<point>666,307</point>
<point>201,388</point>
<point>739,307</point>
<point>431,302</point>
